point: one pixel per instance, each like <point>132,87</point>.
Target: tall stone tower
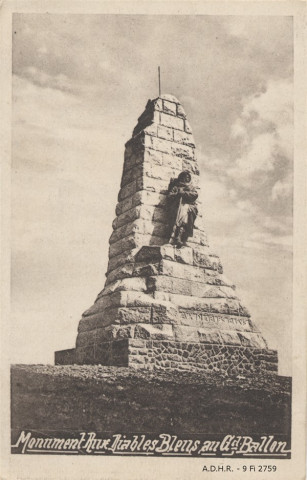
<point>165,306</point>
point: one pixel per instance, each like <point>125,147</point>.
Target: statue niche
<point>182,209</point>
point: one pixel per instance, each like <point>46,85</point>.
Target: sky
<point>79,84</point>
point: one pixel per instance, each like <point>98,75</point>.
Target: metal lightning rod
<point>159,77</point>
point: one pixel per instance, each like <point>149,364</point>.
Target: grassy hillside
<point>46,397</point>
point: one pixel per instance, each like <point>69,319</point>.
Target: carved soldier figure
<point>182,208</point>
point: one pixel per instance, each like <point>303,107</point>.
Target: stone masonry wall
<point>182,356</point>
<point>162,145</point>
<point>202,357</point>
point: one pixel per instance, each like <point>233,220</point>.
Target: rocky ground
<point>102,398</point>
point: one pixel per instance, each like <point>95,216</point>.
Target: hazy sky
<point>79,84</point>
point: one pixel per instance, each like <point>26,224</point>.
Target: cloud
<point>265,131</point>
<point>279,225</point>
<point>39,77</point>
<point>260,239</point>
<point>259,157</point>
<point>282,189</point>
<point>256,172</point>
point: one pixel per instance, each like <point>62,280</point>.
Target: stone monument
<point>166,303</point>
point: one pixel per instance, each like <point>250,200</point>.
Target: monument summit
<point>166,303</point>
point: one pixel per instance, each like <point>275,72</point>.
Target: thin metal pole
<point>159,81</point>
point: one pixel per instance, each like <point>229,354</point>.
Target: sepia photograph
<point>152,237</point>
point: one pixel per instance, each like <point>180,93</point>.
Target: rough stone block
<point>127,243</point>
<point>184,286</point>
<point>65,357</point>
<point>158,144</point>
<point>140,227</point>
<point>131,174</point>
<point>144,212</point>
<point>184,137</point>
<point>191,166</point>
<point>165,132</point>
<point>137,343</point>
<point>94,309</point>
<point>92,322</point>
<point>128,315</point>
<point>169,284</point>
<point>161,215</point>
<point>106,334</point>
<point>85,339</point>
<point>185,334</point>
<point>180,111</point>
<point>230,338</point>
<point>120,352</point>
<point>172,161</point>
<point>124,205</point>
<point>126,331</point>
<point>169,107</point>
<point>187,127</point>
<point>161,297</point>
<point>85,355</point>
<point>192,273</point>
<point>165,314</point>
<point>116,261</point>
<point>155,332</point>
<point>123,231</point>
<point>135,144</point>
<point>131,283</point>
<point>156,253</point>
<point>184,255</point>
<point>211,291</point>
<point>146,270</point>
<point>158,104</point>
<point>153,128</point>
<point>212,305</point>
<point>171,121</point>
<point>125,217</point>
<point>183,151</point>
<point>153,157</point>
<point>152,184</point>
<point>128,298</point>
<point>201,259</point>
<point>127,191</point>
<point>161,172</point>
<point>168,251</point>
<point>137,361</point>
<point>207,336</point>
<point>146,121</point>
<point>212,321</point>
<point>148,198</point>
<point>199,238</point>
<point>148,253</point>
<point>252,340</point>
<point>132,160</point>
<point>136,299</point>
<point>160,230</point>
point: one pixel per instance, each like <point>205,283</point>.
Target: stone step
<point>127,298</point>
<point>177,333</point>
<point>159,313</point>
<point>142,197</point>
<point>171,268</point>
<point>195,255</point>
<point>168,284</point>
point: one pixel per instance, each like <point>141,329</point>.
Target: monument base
<point>170,355</point>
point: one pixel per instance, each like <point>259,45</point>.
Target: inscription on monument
<point>201,319</point>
